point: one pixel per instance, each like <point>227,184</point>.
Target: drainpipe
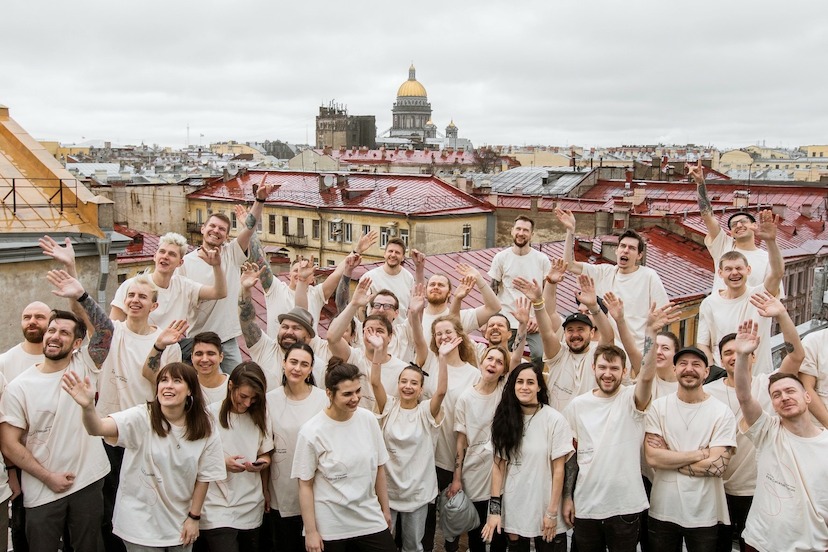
<point>104,244</point>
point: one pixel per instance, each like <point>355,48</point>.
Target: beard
<point>34,335</point>
<point>60,355</point>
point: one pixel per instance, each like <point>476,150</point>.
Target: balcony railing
<point>296,241</point>
<point>193,227</point>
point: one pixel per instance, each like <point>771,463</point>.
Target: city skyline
<point>590,74</point>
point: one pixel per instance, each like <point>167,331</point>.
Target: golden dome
<point>412,87</point>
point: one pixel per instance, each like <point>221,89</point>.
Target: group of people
<point>144,429</point>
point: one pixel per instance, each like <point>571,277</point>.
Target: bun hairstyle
<point>339,371</point>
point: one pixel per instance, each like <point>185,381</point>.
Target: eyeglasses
<point>740,222</point>
<point>383,306</point>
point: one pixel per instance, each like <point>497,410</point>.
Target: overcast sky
<point>727,73</point>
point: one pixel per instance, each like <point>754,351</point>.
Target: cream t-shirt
<point>5,490</point>
<point>270,357</point>
<point>468,319</point>
<point>221,316</point>
<point>53,429</point>
<point>757,259</point>
<point>506,266</point>
<point>342,460</point>
<point>286,417</point>
<point>279,299</point>
<point>460,378</point>
<point>473,415</point>
<point>569,375</point>
<point>215,394</point>
<point>816,364</point>
<point>400,284</point>
<point>120,383</point>
<point>790,507</point>
<point>409,438</point>
<point>15,361</point>
<point>390,375</point>
<point>237,501</point>
<point>609,432</point>
<point>179,301</point>
<point>678,498</point>
<point>157,478</point>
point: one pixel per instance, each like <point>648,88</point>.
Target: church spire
<point>411,72</point>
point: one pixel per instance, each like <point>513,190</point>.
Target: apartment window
<point>404,237</point>
<point>271,224</point>
<point>348,232</point>
<point>259,225</point>
<point>234,223</point>
<point>199,217</point>
<point>300,227</point>
<point>335,230</point>
<point>366,229</point>
<point>315,229</point>
<point>331,262</point>
<point>385,235</point>
<point>286,226</point>
<point>467,236</point>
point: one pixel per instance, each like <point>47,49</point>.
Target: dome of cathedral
<point>412,87</point>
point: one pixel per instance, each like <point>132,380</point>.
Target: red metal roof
<point>404,194</point>
<point>143,246</point>
<point>794,230</point>
<point>402,156</point>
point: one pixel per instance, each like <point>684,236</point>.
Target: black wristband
<point>193,516</point>
<point>154,346</point>
<point>83,297</point>
<point>259,200</point>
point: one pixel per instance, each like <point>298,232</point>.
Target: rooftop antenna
<point>188,135</point>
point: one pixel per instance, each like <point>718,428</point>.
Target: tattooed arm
<point>696,173</point>
<point>571,469</point>
<point>713,466</point>
<point>247,313</point>
<point>172,334</point>
<point>258,257</point>
<point>656,319</point>
<point>457,481</point>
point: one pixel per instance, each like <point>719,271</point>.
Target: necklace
<point>529,421</point>
<point>683,419</point>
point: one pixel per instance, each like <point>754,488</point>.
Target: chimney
<point>628,175</point>
<point>806,210</point>
<point>740,199</point>
<point>609,247</point>
<point>778,209</point>
<point>326,150</point>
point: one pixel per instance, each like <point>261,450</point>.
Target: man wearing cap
<point>295,326</point>
<point>689,441</point>
<point>740,238</point>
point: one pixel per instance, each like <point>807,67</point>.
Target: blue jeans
<point>617,533</point>
<point>413,528</point>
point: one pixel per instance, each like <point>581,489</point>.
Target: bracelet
<point>154,346</point>
<point>495,505</point>
<point>550,515</point>
<point>257,201</point>
<point>539,303</point>
<point>193,516</point>
<point>595,312</point>
<point>82,298</point>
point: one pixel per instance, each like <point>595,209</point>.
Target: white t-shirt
<point>609,432</point>
<point>506,266</point>
<point>740,476</point>
<point>460,378</point>
<point>237,501</point>
<point>569,375</point>
<point>157,478</point>
<point>757,260</point>
<point>53,429</point>
<point>179,301</point>
<point>286,417</point>
<point>220,316</point>
<point>816,364</point>
<point>473,415</point>
<point>528,485</point>
<point>790,507</point>
<point>390,375</point>
<point>270,357</point>
<point>5,490</point>
<point>409,436</point>
<point>637,289</point>
<point>342,460</point>
<point>15,361</point>
<point>215,394</point>
<point>279,299</point>
<point>719,316</point>
<point>468,318</point>
<point>400,284</point>
<point>660,388</point>
<point>678,498</point>
<point>120,383</point>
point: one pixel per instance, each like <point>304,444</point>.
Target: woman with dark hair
<point>289,407</point>
<point>172,453</point>
<point>340,463</point>
<point>531,443</point>
<point>234,507</point>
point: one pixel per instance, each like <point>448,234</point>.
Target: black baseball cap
<point>740,214</point>
<point>578,317</point>
<point>691,351</point>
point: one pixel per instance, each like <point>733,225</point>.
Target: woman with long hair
<point>172,454</point>
<point>289,407</point>
<point>531,442</point>
<point>340,463</point>
<point>473,414</point>
<point>234,508</point>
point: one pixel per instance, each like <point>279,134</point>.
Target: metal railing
<point>54,189</point>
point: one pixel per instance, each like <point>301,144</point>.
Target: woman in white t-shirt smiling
<point>340,463</point>
<point>531,442</point>
<point>234,508</point>
<point>289,407</point>
<point>172,454</point>
<point>409,429</point>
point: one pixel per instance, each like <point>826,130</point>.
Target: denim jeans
<point>667,537</point>
<point>617,533</point>
<point>412,526</point>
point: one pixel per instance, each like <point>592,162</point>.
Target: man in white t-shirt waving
<point>393,276</point>
<point>790,507</point>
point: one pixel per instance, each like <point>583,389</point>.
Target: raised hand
<point>418,257</point>
<point>521,311</point>
<point>351,262</point>
<point>418,299</point>
<point>362,294</point>
<point>466,285</point>
<point>557,272</point>
<point>587,295</point>
<point>767,305</point>
<point>530,289</point>
<point>172,334</point>
<point>566,218</point>
<point>241,212</point>
<point>366,241</point>
<point>250,274</point>
<point>81,390</point>
<point>65,285</point>
<point>373,338</point>
<point>63,254</point>
<point>263,192</point>
<point>696,172</point>
<point>766,227</point>
<point>306,269</point>
<point>659,317</point>
<point>448,347</point>
<point>464,270</point>
<point>615,306</point>
<point>747,338</point>
<point>210,256</point>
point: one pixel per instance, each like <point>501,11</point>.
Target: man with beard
<point>519,260</point>
<point>689,441</point>
<point>790,507</point>
<point>63,467</point>
<point>438,292</point>
<point>608,427</point>
<point>34,321</point>
<point>295,326</point>
<point>722,311</point>
<point>393,276</point>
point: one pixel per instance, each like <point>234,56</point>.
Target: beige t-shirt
<point>279,299</point>
<point>506,266</point>
<point>215,394</point>
<point>237,501</point>
<point>15,361</point>
<point>221,316</point>
<point>790,507</point>
<point>609,432</point>
<point>390,375</point>
<point>409,438</point>
<point>179,301</point>
<point>757,260</point>
<point>473,415</point>
<point>53,429</point>
<point>678,498</point>
<point>5,490</point>
<point>400,284</point>
<point>460,378</point>
<point>270,357</point>
<point>157,478</point>
<point>569,375</point>
<point>816,364</point>
<point>286,417</point>
<point>120,383</point>
<point>468,319</point>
